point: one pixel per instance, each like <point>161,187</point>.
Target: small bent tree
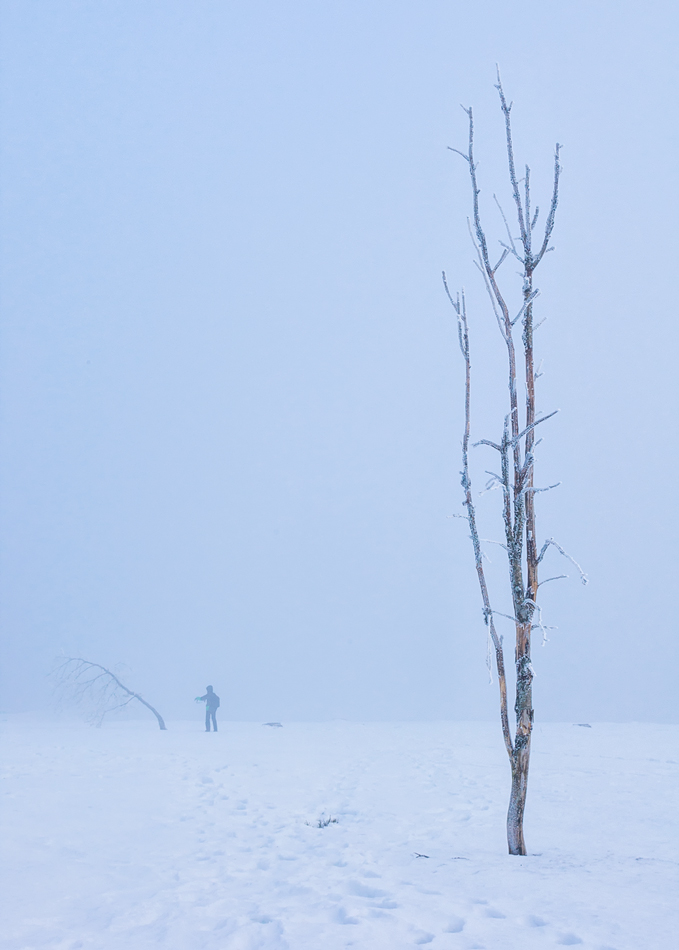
<point>98,687</point>
<point>515,454</point>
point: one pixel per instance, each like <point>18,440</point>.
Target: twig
<point>557,577</point>
<point>553,543</point>
<point>512,249</point>
<point>459,305</point>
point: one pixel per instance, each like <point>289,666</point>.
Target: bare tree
<point>516,455</point>
<point>97,686</point>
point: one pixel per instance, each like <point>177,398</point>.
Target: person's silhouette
<point>211,700</point>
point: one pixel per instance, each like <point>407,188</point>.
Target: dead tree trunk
<point>101,687</point>
<point>516,457</point>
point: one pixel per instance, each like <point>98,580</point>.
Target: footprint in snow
<point>454,926</point>
<point>340,916</point>
<point>532,920</point>
<point>361,890</point>
<point>568,940</point>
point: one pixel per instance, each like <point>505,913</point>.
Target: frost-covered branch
<point>529,428</point>
<point>500,307</point>
<point>512,248</point>
<point>493,445</point>
<point>484,271</point>
<point>532,490</point>
<point>541,626</point>
<point>492,484</point>
<point>459,305</point>
<point>551,542</point>
<point>103,692</point>
<point>498,613</point>
<point>527,301</point>
<point>557,577</point>
<point>506,109</point>
<point>549,227</point>
<point>490,541</point>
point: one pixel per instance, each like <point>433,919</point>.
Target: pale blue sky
<point>231,393</point>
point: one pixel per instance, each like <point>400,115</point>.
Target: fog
<point>231,389</point>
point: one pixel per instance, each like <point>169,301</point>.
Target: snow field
<point>126,837</point>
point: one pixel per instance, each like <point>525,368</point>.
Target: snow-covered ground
<point>126,837</point>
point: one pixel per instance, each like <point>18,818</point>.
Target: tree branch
<point>552,542</point>
<point>459,306</point>
<point>71,671</point>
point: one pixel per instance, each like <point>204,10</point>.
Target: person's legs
<point>207,720</point>
<point>214,719</point>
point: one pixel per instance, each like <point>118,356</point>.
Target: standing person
<point>211,700</point>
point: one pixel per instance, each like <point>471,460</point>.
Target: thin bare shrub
<point>514,451</point>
